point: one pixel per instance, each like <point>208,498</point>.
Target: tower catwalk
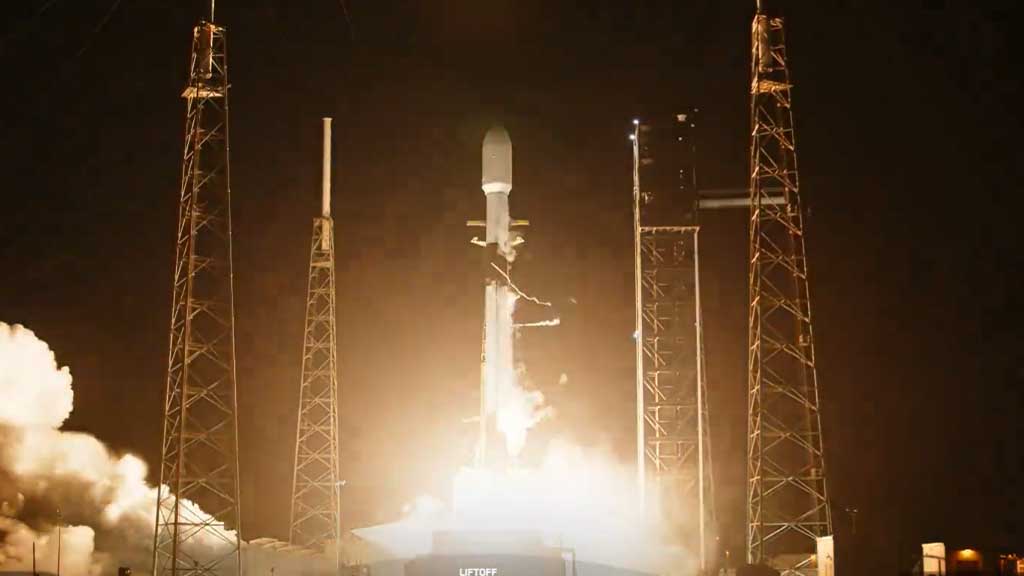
<point>673,447</point>
<point>787,504</point>
<point>315,515</point>
<point>199,462</point>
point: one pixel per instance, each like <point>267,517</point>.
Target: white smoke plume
<point>25,358</point>
<point>106,508</point>
<point>77,552</point>
<point>519,406</point>
<point>576,499</point>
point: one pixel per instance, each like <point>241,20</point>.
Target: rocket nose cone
<point>497,161</point>
<point>497,136</point>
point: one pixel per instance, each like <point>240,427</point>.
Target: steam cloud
<point>578,499</point>
<point>575,498</point>
<point>25,358</point>
<point>106,505</point>
<point>520,407</point>
<point>107,510</point>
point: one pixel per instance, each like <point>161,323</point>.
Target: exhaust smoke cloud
<point>575,499</point>
<point>105,506</point>
<point>48,476</point>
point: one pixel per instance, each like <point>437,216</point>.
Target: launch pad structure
<point>787,502</point>
<point>673,441</point>
<point>199,451</point>
<point>788,514</point>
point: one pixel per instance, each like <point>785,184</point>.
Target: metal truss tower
<point>673,446</point>
<point>315,515</point>
<point>787,504</point>
<point>199,463</point>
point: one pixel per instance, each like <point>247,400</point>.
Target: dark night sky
<point>905,115</point>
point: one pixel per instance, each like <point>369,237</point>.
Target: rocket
<point>497,363</point>
<point>497,184</point>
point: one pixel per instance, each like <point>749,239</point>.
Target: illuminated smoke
<point>106,505</point>
<point>575,499</point>
<point>518,409</point>
<point>27,359</point>
<point>108,510</point>
<point>77,553</point>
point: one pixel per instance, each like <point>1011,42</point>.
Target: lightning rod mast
<point>316,485</point>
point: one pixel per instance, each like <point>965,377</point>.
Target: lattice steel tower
<point>673,446</point>
<point>315,516</point>
<point>199,460</point>
<point>787,504</point>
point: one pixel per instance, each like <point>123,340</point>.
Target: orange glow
<point>967,554</point>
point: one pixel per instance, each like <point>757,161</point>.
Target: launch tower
<point>673,445</point>
<point>199,456</point>
<point>787,504</point>
<point>315,513</point>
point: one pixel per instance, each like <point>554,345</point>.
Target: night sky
<point>906,118</point>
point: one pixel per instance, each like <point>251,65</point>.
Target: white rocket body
<point>499,299</point>
<point>497,184</point>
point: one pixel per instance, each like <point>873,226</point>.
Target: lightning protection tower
<point>673,444</point>
<point>315,516</point>
<point>199,462</point>
<point>787,504</point>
